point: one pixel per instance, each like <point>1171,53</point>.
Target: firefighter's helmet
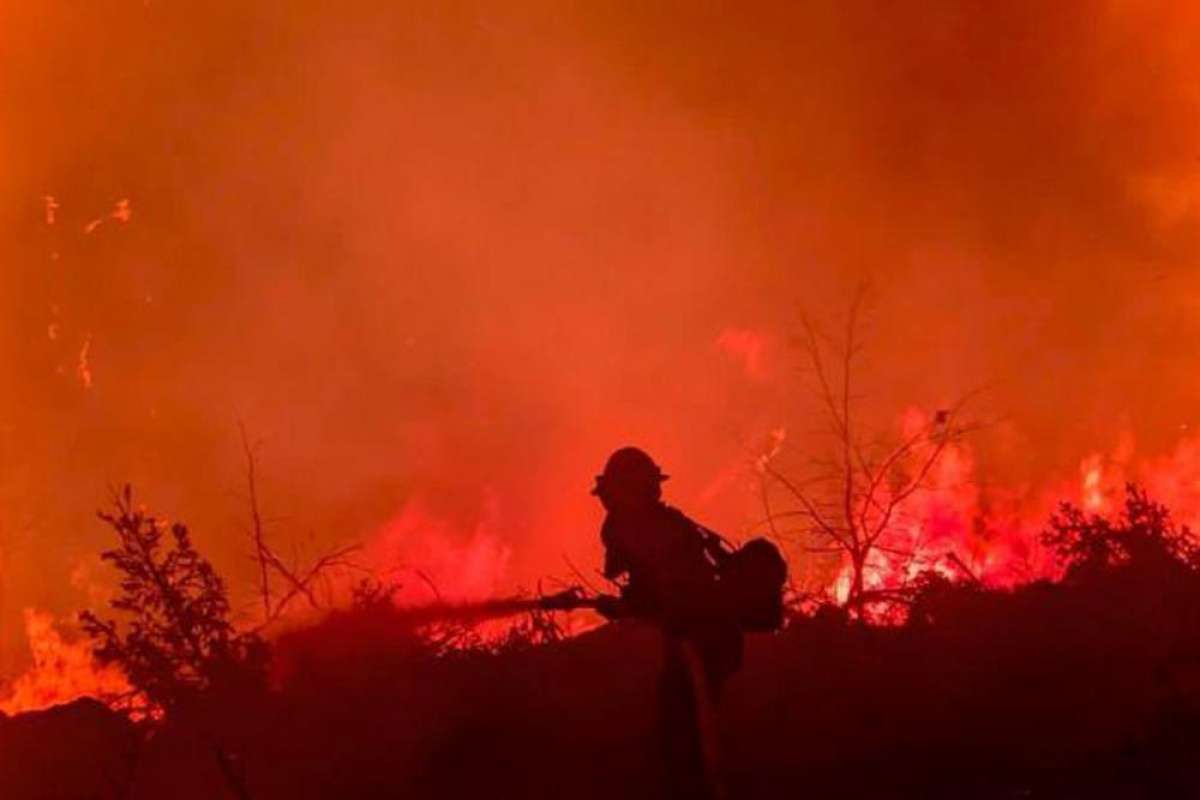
<point>630,467</point>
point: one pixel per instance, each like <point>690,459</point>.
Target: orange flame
<point>62,671</point>
<point>959,524</point>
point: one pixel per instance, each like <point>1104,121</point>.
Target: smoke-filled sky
<point>441,258</point>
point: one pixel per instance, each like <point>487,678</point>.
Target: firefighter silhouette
<point>668,569</point>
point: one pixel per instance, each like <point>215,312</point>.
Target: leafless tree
<point>854,494</point>
<point>279,582</point>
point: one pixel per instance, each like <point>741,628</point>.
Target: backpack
<point>752,578</point>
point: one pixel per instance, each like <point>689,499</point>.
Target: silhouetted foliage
<point>370,594</point>
<point>1144,533</point>
<point>177,638</point>
<point>1053,690</point>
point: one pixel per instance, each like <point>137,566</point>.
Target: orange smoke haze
<point>441,258</point>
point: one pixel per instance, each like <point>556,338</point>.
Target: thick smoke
<point>441,259</point>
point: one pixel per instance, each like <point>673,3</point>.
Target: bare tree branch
<point>299,582</point>
<point>810,508</point>
<point>260,547</point>
<point>862,487</point>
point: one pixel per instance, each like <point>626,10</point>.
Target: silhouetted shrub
<point>1143,534</point>
<point>176,638</point>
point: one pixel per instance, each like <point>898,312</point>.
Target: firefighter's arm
<point>615,563</point>
<point>715,546</point>
<point>610,606</point>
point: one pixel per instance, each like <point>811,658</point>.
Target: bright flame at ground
<point>961,528</point>
<point>62,671</point>
<point>957,526</point>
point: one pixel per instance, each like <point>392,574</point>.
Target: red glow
<point>748,348</point>
<point>442,262</point>
<point>993,531</point>
<point>430,561</point>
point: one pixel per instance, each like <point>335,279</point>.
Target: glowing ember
<point>122,212</point>
<point>51,206</point>
<point>84,368</point>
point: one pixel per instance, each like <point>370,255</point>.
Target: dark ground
<point>1052,691</point>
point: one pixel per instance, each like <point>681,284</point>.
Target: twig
<point>260,547</point>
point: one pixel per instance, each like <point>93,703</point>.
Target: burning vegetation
<point>441,257</point>
<point>956,686</point>
<point>923,595</point>
<point>61,671</point>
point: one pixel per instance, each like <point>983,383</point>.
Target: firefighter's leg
<point>682,754</point>
<point>704,712</point>
<point>688,723</point>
